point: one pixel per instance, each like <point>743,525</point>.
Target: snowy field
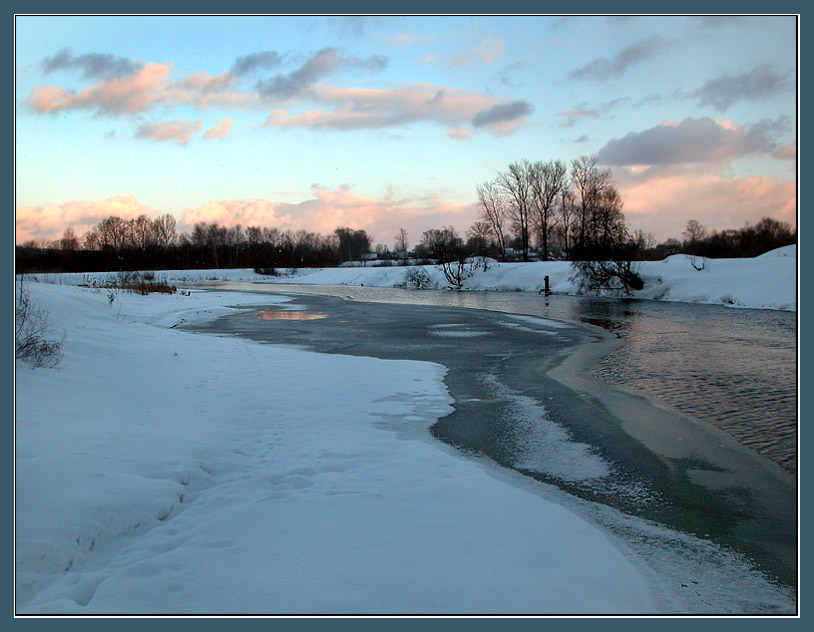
<point>160,471</point>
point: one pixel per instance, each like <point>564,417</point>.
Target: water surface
<point>735,369</point>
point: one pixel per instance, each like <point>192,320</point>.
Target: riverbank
<point>586,438</point>
<point>166,472</point>
<point>765,282</point>
<point>331,440</point>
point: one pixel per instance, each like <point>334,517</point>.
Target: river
<point>735,369</point>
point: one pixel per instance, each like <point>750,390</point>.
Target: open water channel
<point>735,369</point>
<point>709,450</point>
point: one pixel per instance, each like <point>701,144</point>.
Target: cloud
<point>127,95</point>
<point>48,221</point>
<point>787,152</point>
<point>701,140</point>
<point>138,93</point>
<point>582,111</point>
<point>249,212</point>
<point>366,108</point>
<point>204,83</point>
<point>717,21</point>
<point>459,133</point>
<point>256,61</point>
<point>724,91</point>
<point>650,99</point>
<point>91,65</point>
<point>662,204</point>
<point>221,130</point>
<point>203,91</point>
<point>501,114</point>
<point>484,53</point>
<point>601,69</point>
<point>176,131</point>
<point>406,39</point>
<point>357,25</point>
<point>337,108</point>
<point>504,76</point>
<point>321,64</point>
<point>327,209</point>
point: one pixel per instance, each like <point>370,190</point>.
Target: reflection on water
<point>733,368</point>
<point>280,314</point>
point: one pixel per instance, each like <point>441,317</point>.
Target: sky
<point>384,122</point>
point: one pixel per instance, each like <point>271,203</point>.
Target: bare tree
<point>567,214</point>
<point>493,213</point>
<point>113,233</point>
<point>164,229</point>
<point>548,181</point>
<point>693,232</point>
<point>598,208</point>
<point>401,244</point>
<point>69,240</point>
<point>254,235</point>
<point>477,238</point>
<point>90,240</point>
<point>515,183</point>
<point>143,232</point>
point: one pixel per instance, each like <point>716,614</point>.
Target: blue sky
<point>384,122</point>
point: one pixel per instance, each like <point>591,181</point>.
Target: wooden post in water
<point>547,289</point>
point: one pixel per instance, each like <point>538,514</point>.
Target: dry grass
<point>142,283</point>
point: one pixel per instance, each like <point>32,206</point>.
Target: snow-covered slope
<point>767,282</point>
<point>163,472</point>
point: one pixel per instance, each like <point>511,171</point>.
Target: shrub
<point>417,278</point>
<point>33,341</point>
<point>615,277</point>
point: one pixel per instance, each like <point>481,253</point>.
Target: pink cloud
<point>178,131</point>
<point>203,91</point>
<point>328,209</point>
<point>221,130</point>
<point>663,203</point>
<point>202,81</point>
<point>48,221</point>
<point>128,95</point>
<point>787,152</point>
<point>249,212</point>
<point>367,108</point>
<point>459,133</point>
<point>139,92</point>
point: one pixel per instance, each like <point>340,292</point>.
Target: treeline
<point>749,241</point>
<point>142,244</point>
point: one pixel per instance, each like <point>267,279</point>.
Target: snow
<point>765,282</point>
<point>159,471</point>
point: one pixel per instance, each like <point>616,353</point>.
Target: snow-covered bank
<point>765,282</point>
<point>164,472</point>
